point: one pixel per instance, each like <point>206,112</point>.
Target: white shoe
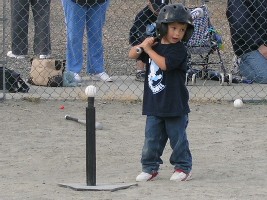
<point>11,55</point>
<point>45,56</point>
<point>179,175</point>
<point>143,177</point>
<point>102,76</point>
<point>77,78</point>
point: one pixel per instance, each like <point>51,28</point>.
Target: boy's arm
<point>136,50</point>
<point>133,54</point>
<point>158,59</point>
<point>146,46</point>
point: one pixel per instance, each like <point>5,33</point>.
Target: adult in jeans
<point>248,25</point>
<point>88,16</point>
<point>19,28</point>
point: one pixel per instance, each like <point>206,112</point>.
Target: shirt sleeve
<point>176,57</point>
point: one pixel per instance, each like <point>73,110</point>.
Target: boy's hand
<point>148,43</point>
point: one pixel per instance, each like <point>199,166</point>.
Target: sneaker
<point>102,76</point>
<point>11,55</point>
<point>143,177</point>
<point>77,78</point>
<point>45,56</point>
<point>140,76</point>
<point>179,175</point>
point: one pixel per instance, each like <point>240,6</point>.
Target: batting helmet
<point>174,13</point>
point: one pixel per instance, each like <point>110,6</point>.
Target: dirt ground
<point>39,149</point>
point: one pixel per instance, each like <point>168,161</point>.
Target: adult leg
<point>181,156</point>
<point>19,26</point>
<point>41,15</point>
<point>75,17</point>
<point>155,142</point>
<point>95,21</point>
<point>253,66</point>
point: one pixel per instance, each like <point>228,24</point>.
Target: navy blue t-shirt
<point>165,92</point>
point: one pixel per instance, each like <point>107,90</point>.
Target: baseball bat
<point>67,117</point>
<point>196,13</point>
<point>98,125</point>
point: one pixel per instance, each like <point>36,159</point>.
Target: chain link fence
<point>28,39</point>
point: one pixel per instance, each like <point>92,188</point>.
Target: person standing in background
<point>89,15</point>
<point>143,27</point>
<point>19,28</point>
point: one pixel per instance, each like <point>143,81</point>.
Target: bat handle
<point>139,50</point>
<point>71,118</point>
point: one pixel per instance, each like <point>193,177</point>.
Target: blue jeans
<point>91,19</point>
<point>158,131</point>
<point>253,66</point>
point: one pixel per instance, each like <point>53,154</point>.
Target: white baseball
<point>238,103</point>
<point>90,91</point>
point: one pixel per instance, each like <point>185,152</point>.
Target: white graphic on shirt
<point>155,78</point>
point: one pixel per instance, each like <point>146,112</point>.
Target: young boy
<point>138,32</point>
<point>165,100</point>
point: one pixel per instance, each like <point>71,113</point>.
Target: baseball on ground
<point>238,103</point>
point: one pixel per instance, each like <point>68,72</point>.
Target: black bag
<point>88,2</point>
<point>14,82</point>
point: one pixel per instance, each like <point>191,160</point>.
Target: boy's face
<point>176,32</point>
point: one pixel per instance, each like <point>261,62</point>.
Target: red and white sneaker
<point>143,177</point>
<point>179,175</point>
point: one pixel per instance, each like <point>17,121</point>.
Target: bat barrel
<point>98,125</point>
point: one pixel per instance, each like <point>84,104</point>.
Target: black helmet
<point>174,13</point>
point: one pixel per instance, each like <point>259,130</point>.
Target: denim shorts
<point>253,66</point>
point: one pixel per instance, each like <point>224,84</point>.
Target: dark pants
<point>158,131</point>
<point>19,26</point>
